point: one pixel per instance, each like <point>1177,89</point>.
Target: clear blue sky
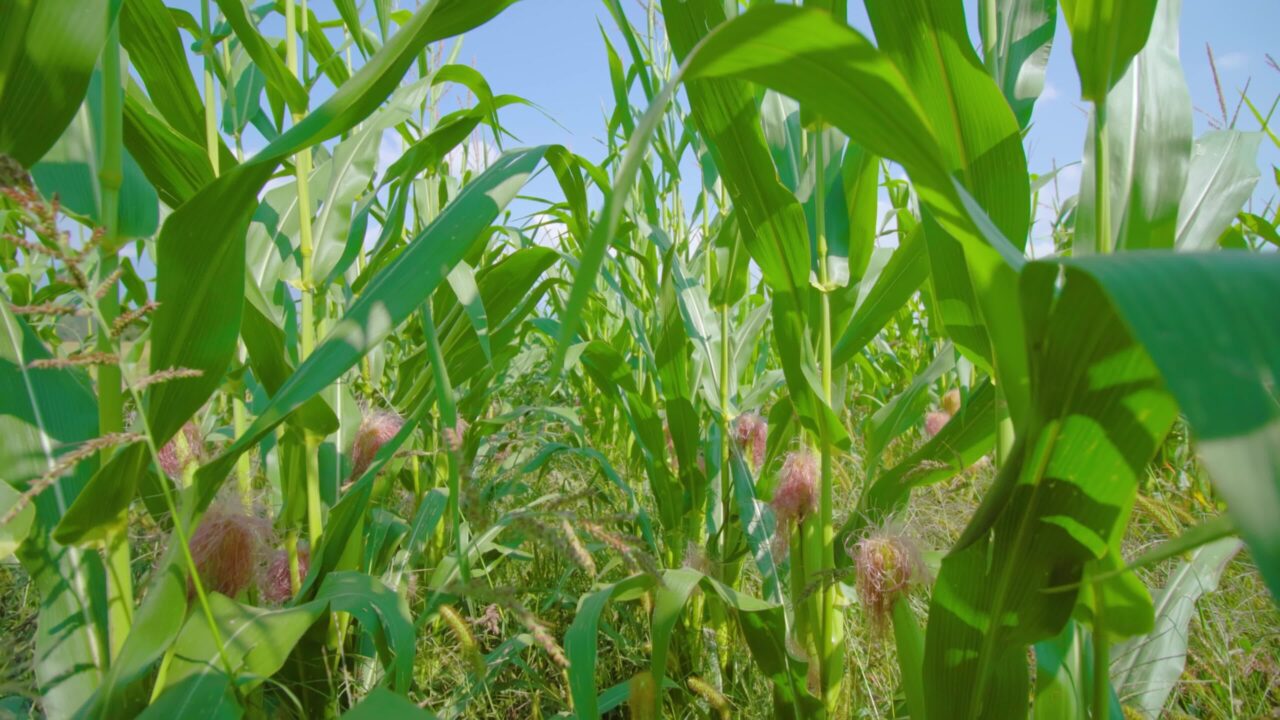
<point>551,52</point>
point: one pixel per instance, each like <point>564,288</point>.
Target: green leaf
<point>1105,35</point>
<point>349,173</point>
<point>242,95</point>
<point>45,413</point>
<point>1148,119</point>
<point>763,626</point>
<point>673,593</point>
<point>1215,528</point>
<point>1221,179</point>
<point>1111,340</point>
<point>1061,501</point>
<point>462,280</point>
<point>1261,227</point>
<point>859,170</point>
<point>199,696</point>
<point>70,171</point>
<point>393,294</point>
<point>965,439</point>
<point>175,166</point>
<point>383,613</point>
<point>202,264</point>
<point>381,704</point>
<point>1064,677</point>
<point>980,141</point>
<point>1218,304</point>
<point>264,56</point>
<point>257,641</point>
<point>732,264</point>
<point>50,49</point>
<point>149,33</point>
<point>1020,49</point>
<point>906,408</point>
<point>351,18</point>
<point>909,639</point>
<point>1146,669</point>
<point>759,525</point>
<point>264,341</point>
<point>580,642</point>
<point>901,277</point>
<point>14,532</point>
<point>772,221</point>
<point>830,67</point>
<point>200,288</point>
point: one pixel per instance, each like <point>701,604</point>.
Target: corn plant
<point>303,433</point>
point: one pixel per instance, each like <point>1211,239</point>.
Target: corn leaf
<point>1220,180</point>
<point>1147,668</point>
<point>1149,138</point>
<point>1020,50</point>
<point>45,413</point>
<point>1105,35</point>
<point>50,49</point>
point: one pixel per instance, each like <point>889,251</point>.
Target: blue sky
<point>551,52</point>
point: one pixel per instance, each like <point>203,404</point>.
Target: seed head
<point>715,699</point>
<point>934,422</point>
<point>13,174</point>
<point>277,586</point>
<point>376,429</point>
<point>752,434</point>
<point>227,546</point>
<point>887,563</point>
<point>797,494</point>
<point>951,401</point>
<point>643,699</point>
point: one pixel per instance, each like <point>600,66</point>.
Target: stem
<point>307,329</point>
<point>1005,435</point>
<point>110,394</point>
<point>239,420</point>
<point>210,92</point>
<point>832,632</point>
<point>1101,666</point>
<point>448,419</point>
<point>728,539</point>
<point>306,57</point>
<point>726,431</point>
<point>990,33</point>
<point>1102,179</point>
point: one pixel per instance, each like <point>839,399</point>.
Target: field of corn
<point>796,392</point>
